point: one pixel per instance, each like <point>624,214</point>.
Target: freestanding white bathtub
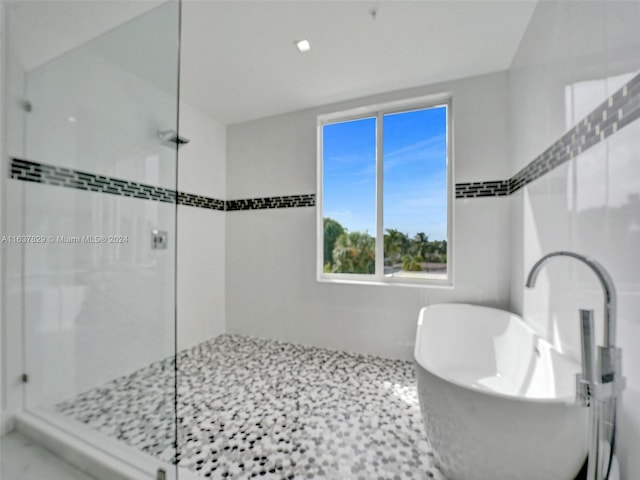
<point>498,402</point>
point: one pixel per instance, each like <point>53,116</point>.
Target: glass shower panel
<point>94,186</point>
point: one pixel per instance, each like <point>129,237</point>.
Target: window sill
<point>438,283</point>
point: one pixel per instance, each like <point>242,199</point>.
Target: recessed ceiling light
<point>303,46</point>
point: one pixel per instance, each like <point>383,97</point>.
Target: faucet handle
<point>609,359</point>
<point>585,381</point>
<point>583,391</point>
<point>588,346</point>
<point>611,368</point>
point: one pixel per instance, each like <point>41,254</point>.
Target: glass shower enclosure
<point>89,179</point>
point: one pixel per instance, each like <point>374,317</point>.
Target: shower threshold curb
<point>93,459</point>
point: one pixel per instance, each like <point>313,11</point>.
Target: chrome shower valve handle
<point>583,391</point>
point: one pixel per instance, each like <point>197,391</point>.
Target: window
<point>384,183</point>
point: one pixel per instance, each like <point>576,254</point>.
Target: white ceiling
<point>43,29</point>
<point>239,61</point>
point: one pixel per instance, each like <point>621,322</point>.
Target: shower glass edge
<point>90,295</point>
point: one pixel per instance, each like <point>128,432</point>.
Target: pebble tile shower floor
<point>252,408</point>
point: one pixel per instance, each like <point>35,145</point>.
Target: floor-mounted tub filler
<point>498,402</point>
<point>600,383</point>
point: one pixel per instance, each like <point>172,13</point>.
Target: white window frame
<point>379,110</point>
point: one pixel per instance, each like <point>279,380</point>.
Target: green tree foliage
<point>437,252</point>
<point>332,230</point>
<point>412,263</point>
<point>420,245</point>
<point>396,245</point>
<point>354,252</point>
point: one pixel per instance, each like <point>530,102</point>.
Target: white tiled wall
<point>573,55</point>
<point>201,232</point>
<point>271,279</point>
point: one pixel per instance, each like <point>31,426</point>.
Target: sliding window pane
<point>415,193</point>
<point>349,196</point>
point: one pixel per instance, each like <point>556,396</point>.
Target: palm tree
<point>396,245</point>
<point>421,244</point>
<point>411,263</point>
<point>354,252</point>
<point>332,230</point>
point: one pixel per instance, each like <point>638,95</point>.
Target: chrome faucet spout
<point>610,301</point>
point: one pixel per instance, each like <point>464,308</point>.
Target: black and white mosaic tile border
<point>253,408</point>
<point>497,188</point>
<point>65,177</point>
<point>618,111</point>
<point>289,201</point>
<point>192,200</point>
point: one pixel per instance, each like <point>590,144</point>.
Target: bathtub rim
<point>568,400</point>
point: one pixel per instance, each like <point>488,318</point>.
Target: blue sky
<point>414,159</point>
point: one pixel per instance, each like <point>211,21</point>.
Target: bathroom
<point>96,95</point>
